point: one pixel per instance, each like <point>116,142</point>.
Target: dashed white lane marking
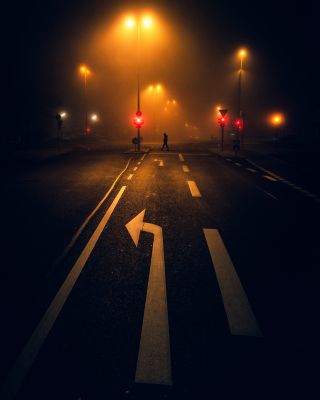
<point>194,189</point>
<point>135,168</point>
<point>236,304</point>
<point>185,168</point>
<point>161,164</point>
<point>34,344</point>
<point>251,170</point>
<point>181,157</point>
<point>269,194</point>
<point>238,164</point>
<point>228,159</point>
<point>270,178</point>
<point>142,158</point>
<point>138,163</point>
<point>130,177</point>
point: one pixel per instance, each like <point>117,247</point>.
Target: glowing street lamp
<point>131,23</point>
<point>85,72</point>
<point>242,54</point>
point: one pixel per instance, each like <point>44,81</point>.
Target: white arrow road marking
<point>239,313</point>
<point>154,359</point>
<point>185,168</point>
<point>161,164</point>
<point>33,346</point>
<point>195,192</point>
<point>181,157</point>
<point>130,177</point>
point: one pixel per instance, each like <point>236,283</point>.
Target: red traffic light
<point>222,121</point>
<point>238,123</point>
<point>138,121</point>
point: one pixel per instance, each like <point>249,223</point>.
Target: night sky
<point>46,41</point>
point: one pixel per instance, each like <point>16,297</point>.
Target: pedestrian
<point>165,142</point>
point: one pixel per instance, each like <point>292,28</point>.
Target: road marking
<point>251,170</point>
<point>130,177</point>
<point>185,168</point>
<point>161,163</point>
<point>236,304</point>
<point>228,159</point>
<point>238,164</point>
<point>34,344</point>
<point>142,158</point>
<point>84,224</point>
<point>135,168</point>
<point>270,178</point>
<point>155,159</point>
<point>154,359</point>
<point>138,163</point>
<point>194,189</point>
<point>181,157</point>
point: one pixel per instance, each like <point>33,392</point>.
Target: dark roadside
<point>293,161</point>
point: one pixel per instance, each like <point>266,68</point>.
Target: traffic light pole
<point>222,137</point>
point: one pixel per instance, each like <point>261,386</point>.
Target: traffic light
<point>238,123</point>
<point>222,121</point>
<point>138,121</point>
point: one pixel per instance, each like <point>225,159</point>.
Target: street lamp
<point>85,72</point>
<point>131,23</point>
<point>242,53</point>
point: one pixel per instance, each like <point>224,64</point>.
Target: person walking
<point>165,142</point>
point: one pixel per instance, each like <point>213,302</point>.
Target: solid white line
<point>130,177</point>
<point>34,344</point>
<point>84,224</point>
<point>181,157</point>
<point>236,304</point>
<point>270,178</point>
<point>161,164</point>
<point>185,168</point>
<point>251,170</point>
<point>194,189</point>
<point>154,359</point>
<point>135,168</point>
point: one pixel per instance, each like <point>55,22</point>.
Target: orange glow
<point>242,53</point>
<point>130,22</point>
<point>84,70</point>
<point>276,119</point>
<point>147,21</point>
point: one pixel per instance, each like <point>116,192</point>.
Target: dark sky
<point>45,41</point>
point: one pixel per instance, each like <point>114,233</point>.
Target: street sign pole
<point>222,137</point>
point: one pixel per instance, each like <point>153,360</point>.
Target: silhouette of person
<point>165,142</point>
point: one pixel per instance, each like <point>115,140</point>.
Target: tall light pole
<point>242,54</point>
<point>85,73</point>
<point>130,23</point>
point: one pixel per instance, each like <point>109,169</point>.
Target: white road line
<point>135,168</point>
<point>251,170</point>
<point>270,178</point>
<point>34,344</point>
<point>185,168</point>
<point>238,164</point>
<point>161,164</point>
<point>236,304</point>
<point>181,157</point>
<point>228,159</point>
<point>130,177</point>
<point>269,194</point>
<point>142,158</point>
<point>138,163</point>
<point>154,359</point>
<point>194,189</point>
<point>265,170</point>
<point>84,224</point>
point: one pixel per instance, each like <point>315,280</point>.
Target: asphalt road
<point>229,310</point>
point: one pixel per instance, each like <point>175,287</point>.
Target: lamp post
<point>130,23</point>
<point>242,54</point>
<point>85,72</point>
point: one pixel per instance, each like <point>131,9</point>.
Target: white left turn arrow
<point>154,360</point>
